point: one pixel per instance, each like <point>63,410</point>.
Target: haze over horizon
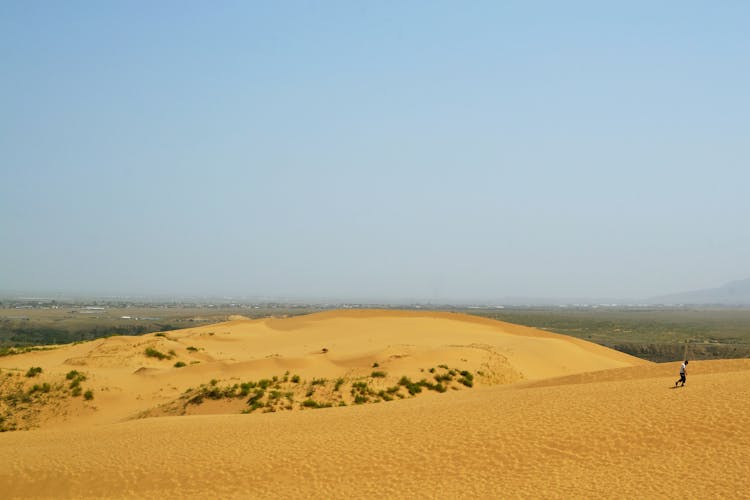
<point>427,150</point>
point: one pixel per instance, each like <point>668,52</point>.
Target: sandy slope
<point>630,438</point>
<point>126,383</point>
<point>562,431</point>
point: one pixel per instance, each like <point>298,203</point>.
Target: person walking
<point>683,374</point>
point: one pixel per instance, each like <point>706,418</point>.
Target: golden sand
<point>558,417</point>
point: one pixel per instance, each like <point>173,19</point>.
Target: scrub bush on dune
<point>153,353</point>
<point>467,378</point>
<point>309,403</point>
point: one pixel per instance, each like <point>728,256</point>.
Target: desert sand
<point>547,416</point>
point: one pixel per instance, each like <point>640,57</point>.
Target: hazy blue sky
<point>435,150</point>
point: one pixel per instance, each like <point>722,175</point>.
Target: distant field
<point>33,327</point>
<point>654,334</point>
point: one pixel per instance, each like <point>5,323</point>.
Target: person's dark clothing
<point>683,369</point>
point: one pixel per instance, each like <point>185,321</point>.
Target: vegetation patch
<point>150,352</point>
<point>309,403</point>
<point>13,350</point>
<point>466,379</point>
<point>292,393</point>
<point>23,402</point>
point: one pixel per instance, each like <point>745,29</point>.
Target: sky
<point>438,151</point>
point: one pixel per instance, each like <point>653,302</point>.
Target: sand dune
<point>552,417</point>
<point>126,383</point>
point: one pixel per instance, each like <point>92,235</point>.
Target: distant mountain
<point>735,293</point>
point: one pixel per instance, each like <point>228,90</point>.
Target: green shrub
<point>359,387</point>
<point>467,382</point>
<point>410,386</point>
<point>214,393</point>
<point>424,383</point>
<point>339,383</point>
<point>375,365</point>
<point>256,405</point>
<point>34,371</point>
<point>88,395</point>
<point>179,364</point>
<point>385,396</point>
<point>361,391</point>
<point>264,383</point>
<point>318,381</point>
<point>153,353</point>
<point>274,395</point>
<point>377,374</point>
<point>259,393</point>
<point>245,388</point>
<point>160,334</point>
<point>43,388</point>
<point>295,379</point>
<point>191,348</point>
<point>309,403</point>
<point>75,378</point>
<point>467,378</point>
